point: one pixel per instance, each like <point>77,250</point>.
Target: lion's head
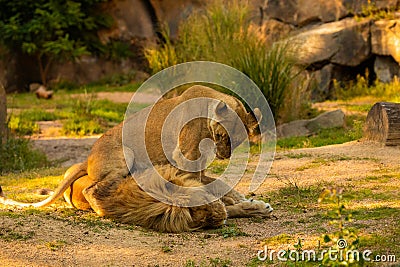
<point>232,126</point>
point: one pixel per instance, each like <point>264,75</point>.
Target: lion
<point>107,181</point>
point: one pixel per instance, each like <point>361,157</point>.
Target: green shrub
<point>16,154</point>
<point>81,126</point>
<point>20,126</point>
<point>360,87</point>
<point>223,33</point>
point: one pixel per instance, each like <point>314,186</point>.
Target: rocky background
<point>336,39</point>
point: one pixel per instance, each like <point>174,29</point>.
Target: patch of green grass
<point>80,115</point>
<point>324,137</point>
<point>359,107</point>
<point>9,234</point>
<point>379,213</point>
<point>296,198</point>
<point>87,116</point>
<point>320,161</point>
<point>230,230</point>
<point>383,243</point>
<point>22,186</point>
<point>81,126</point>
<point>218,166</point>
<point>313,164</point>
<point>17,154</point>
<point>218,262</point>
<point>298,155</point>
<point>166,249</point>
<point>19,126</point>
<point>38,115</point>
<point>361,87</point>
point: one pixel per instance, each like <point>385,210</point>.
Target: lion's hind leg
<point>74,194</point>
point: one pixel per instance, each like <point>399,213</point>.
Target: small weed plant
<point>344,240</point>
<point>372,11</point>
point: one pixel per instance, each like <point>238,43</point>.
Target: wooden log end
<point>383,123</point>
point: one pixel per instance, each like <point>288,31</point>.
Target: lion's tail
<point>72,174</point>
<point>130,204</point>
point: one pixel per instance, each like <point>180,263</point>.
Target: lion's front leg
<point>249,208</point>
<point>237,205</point>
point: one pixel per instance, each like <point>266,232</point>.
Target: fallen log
<point>383,123</point>
<point>42,92</point>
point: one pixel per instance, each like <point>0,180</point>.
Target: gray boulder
<point>274,30</point>
<point>132,19</point>
<point>173,12</point>
<point>301,12</point>
<point>385,38</point>
<point>344,42</point>
<point>327,120</point>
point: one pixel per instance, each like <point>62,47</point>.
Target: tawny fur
<point>130,204</point>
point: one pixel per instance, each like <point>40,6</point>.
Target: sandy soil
<point>79,244</point>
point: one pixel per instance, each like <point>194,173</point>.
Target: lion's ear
<point>221,108</point>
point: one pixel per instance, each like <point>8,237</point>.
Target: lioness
<point>104,184</point>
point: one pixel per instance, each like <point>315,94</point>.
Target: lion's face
<point>234,124</point>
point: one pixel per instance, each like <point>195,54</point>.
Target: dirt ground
<point>56,240</point>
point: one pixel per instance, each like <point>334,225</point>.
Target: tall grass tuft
<point>222,32</point>
<point>16,154</point>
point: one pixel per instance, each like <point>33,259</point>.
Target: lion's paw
<point>250,208</point>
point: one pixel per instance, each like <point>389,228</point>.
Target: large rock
<point>385,38</point>
<point>344,42</point>
<point>173,12</point>
<point>274,30</point>
<point>91,69</point>
<point>132,19</point>
<point>327,120</point>
<point>301,12</point>
<point>386,68</point>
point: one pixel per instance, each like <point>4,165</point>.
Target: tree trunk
<point>383,123</point>
<point>3,114</point>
